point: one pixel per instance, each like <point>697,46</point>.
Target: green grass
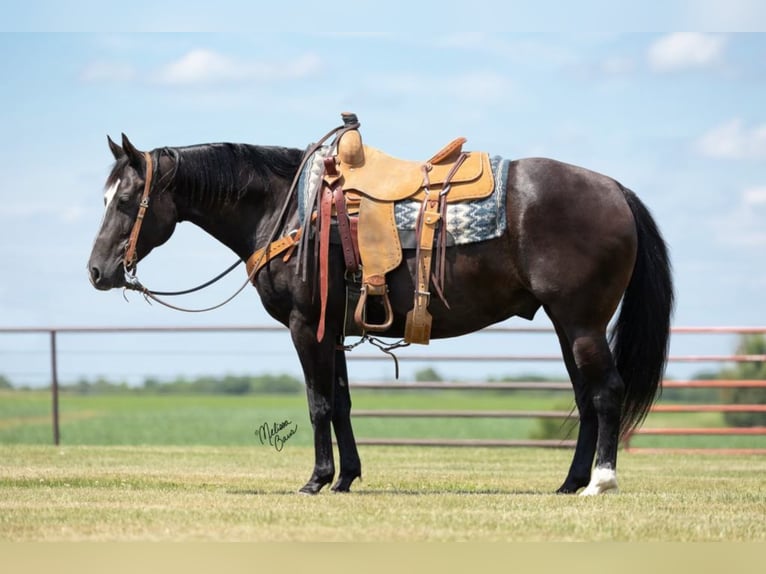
<point>25,418</point>
<point>220,420</point>
<point>234,493</point>
<point>231,420</point>
<point>188,468</point>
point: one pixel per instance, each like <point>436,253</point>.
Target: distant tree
<point>276,384</point>
<point>228,385</point>
<point>748,345</point>
<point>5,383</point>
<point>232,385</point>
<point>427,375</point>
<point>151,384</point>
<point>700,396</point>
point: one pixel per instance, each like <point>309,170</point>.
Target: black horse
<point>577,243</point>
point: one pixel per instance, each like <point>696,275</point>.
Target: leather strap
<point>417,328</point>
<point>452,148</point>
<point>431,218</point>
<point>441,241</point>
<point>329,183</point>
<point>261,257</point>
<point>345,231</point>
<point>353,221</point>
<point>131,257</point>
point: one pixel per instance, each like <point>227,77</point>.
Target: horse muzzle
<point>106,279</point>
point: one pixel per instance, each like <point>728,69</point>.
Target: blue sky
<point>678,118</point>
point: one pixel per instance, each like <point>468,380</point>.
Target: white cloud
<point>201,67</point>
<point>745,224</point>
<point>685,50</point>
<point>734,140</point>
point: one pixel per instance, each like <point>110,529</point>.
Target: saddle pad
<point>467,221</point>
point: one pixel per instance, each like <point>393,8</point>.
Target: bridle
<point>131,256</point>
<point>257,261</point>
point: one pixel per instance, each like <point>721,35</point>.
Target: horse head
<point>140,214</point>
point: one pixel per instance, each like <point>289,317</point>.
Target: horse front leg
<point>350,465</point>
<point>318,363</point>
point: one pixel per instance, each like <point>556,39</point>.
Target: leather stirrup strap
<point>417,328</point>
<point>441,241</point>
<point>345,231</point>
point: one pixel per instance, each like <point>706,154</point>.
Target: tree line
<point>212,385</point>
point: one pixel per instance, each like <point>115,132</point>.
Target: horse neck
<point>242,209</point>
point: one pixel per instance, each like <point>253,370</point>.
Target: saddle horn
<point>350,148</point>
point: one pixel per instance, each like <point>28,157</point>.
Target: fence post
<point>55,389</point>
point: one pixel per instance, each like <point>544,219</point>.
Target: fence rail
<point>54,333</point>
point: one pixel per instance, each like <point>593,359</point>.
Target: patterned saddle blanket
<point>468,221</point>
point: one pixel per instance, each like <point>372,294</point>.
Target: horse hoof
<point>603,480</point>
<point>312,487</point>
<point>567,490</point>
<point>309,490</point>
<point>344,483</point>
<point>572,485</point>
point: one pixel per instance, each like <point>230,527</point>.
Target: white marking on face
<point>110,193</point>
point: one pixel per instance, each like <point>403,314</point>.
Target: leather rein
<point>257,261</point>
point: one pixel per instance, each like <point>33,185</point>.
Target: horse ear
<point>117,151</point>
<point>135,157</point>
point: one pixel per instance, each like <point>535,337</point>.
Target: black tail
<point>641,335</point>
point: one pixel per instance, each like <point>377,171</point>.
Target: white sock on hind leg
<point>602,480</point>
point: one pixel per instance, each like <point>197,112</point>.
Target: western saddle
<point>360,187</point>
<point>359,190</point>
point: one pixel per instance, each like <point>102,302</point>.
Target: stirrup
<point>376,290</point>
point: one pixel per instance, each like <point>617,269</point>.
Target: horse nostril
<point>95,275</point>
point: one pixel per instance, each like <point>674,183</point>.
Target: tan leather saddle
<point>371,183</point>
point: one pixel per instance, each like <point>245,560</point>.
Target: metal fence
<point>55,333</point>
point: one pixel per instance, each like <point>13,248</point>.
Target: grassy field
<point>189,468</point>
<point>204,493</point>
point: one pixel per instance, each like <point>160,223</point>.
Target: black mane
<point>220,174</point>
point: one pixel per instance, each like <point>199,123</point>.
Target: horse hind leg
<point>599,392</point>
<point>606,390</point>
<point>585,450</point>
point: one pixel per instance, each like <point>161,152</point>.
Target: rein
<point>259,259</point>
